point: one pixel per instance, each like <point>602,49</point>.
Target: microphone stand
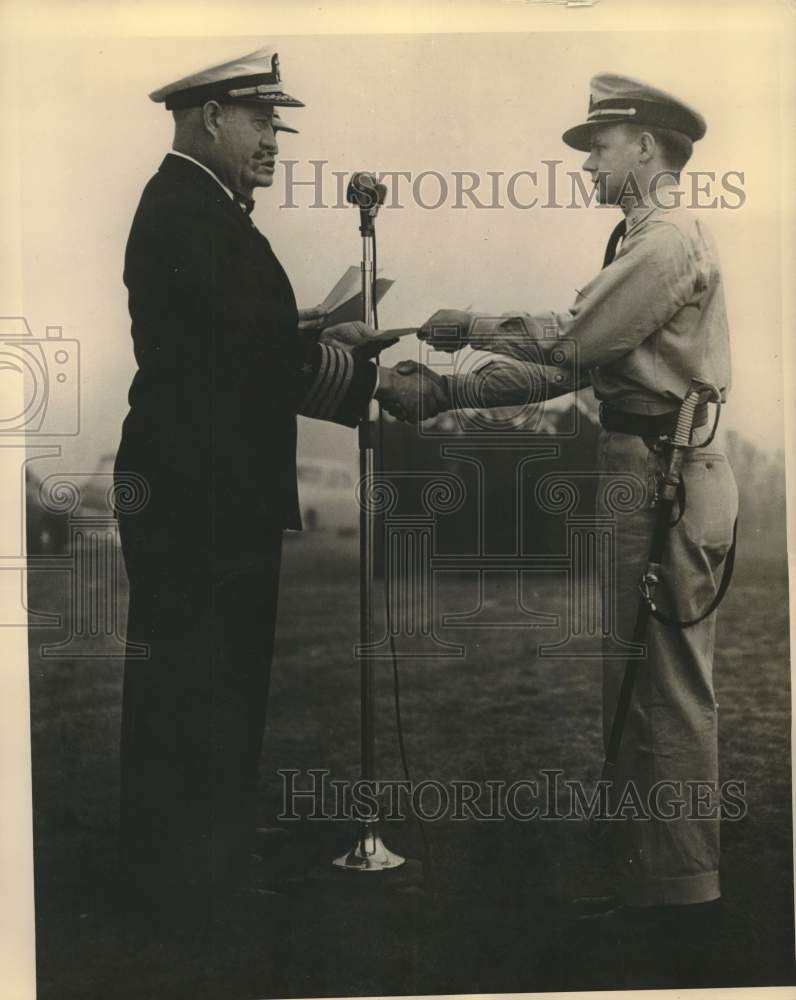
<point>369,853</point>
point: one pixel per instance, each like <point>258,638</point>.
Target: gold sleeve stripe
<point>310,404</point>
<point>336,391</point>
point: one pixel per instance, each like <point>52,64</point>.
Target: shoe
<point>266,836</point>
<point>587,907</point>
<point>268,840</point>
<point>255,892</point>
<point>248,903</point>
<point>668,920</point>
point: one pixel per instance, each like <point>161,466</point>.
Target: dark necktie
<point>613,242</point>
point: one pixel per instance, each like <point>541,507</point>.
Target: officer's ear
<point>211,117</point>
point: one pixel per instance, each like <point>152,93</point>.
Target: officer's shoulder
<point>684,230</point>
<point>166,224</point>
<point>681,235</point>
<point>677,219</point>
<point>165,204</point>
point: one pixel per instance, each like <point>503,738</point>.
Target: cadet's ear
<point>646,142</point>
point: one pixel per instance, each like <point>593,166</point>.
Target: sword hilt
<point>697,391</point>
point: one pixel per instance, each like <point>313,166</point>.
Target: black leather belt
<point>646,424</point>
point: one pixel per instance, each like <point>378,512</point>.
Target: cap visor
<point>579,137</point>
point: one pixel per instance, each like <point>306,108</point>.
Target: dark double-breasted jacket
<point>223,370</point>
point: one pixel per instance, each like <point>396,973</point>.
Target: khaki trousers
<point>671,732</point>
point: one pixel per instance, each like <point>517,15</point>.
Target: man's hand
<point>347,335</point>
<point>412,392</point>
<point>447,330</point>
<point>312,319</point>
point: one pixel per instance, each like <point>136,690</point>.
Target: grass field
<point>494,915</point>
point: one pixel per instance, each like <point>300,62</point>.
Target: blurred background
<point>89,139</point>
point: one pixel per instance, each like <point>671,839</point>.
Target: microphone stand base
<point>370,854</point>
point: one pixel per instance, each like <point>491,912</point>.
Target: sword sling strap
<point>726,579</point>
<point>680,442</point>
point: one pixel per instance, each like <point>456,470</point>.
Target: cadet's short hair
<point>676,148</point>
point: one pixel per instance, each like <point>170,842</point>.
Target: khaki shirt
<point>642,328</point>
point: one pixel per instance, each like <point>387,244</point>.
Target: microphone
<point>365,191</point>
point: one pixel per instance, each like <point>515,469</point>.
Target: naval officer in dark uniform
<point>224,367</point>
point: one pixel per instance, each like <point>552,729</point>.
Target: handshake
<point>410,391</point>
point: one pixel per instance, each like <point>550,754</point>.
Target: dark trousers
<point>194,709</point>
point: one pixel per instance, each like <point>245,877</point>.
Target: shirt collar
<point>207,170</point>
<point>667,196</point>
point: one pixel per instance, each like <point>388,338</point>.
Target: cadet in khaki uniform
<point>650,321</point>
